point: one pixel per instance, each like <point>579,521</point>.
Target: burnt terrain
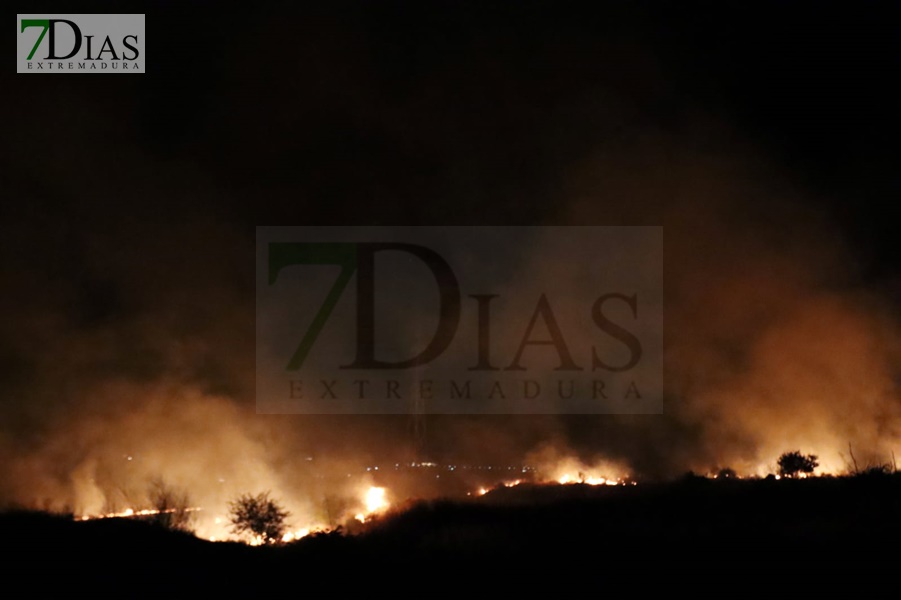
<point>813,530</point>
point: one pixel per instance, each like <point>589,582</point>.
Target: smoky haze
<point>128,247</point>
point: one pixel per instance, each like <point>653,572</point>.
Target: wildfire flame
<point>567,478</point>
<point>130,512</point>
<point>292,536</point>
<point>375,501</point>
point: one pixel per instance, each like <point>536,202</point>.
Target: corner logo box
<point>80,44</point>
<point>459,320</point>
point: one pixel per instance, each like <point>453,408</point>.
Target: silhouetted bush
<point>791,464</point>
<point>173,506</point>
<point>259,516</point>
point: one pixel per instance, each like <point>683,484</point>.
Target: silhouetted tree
<point>259,516</point>
<point>793,463</point>
<point>173,506</point>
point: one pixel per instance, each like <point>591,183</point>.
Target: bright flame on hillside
<point>567,478</point>
<point>375,501</point>
<point>130,512</point>
<point>292,536</point>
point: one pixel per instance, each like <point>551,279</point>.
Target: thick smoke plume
<point>772,338</point>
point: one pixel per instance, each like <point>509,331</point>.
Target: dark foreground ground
<point>814,531</point>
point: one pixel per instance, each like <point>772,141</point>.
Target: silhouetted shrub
<point>173,506</point>
<point>258,516</point>
<point>791,464</point>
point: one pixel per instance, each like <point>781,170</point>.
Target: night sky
<point>763,137</point>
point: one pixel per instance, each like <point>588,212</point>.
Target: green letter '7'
<point>45,23</point>
<point>287,254</point>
